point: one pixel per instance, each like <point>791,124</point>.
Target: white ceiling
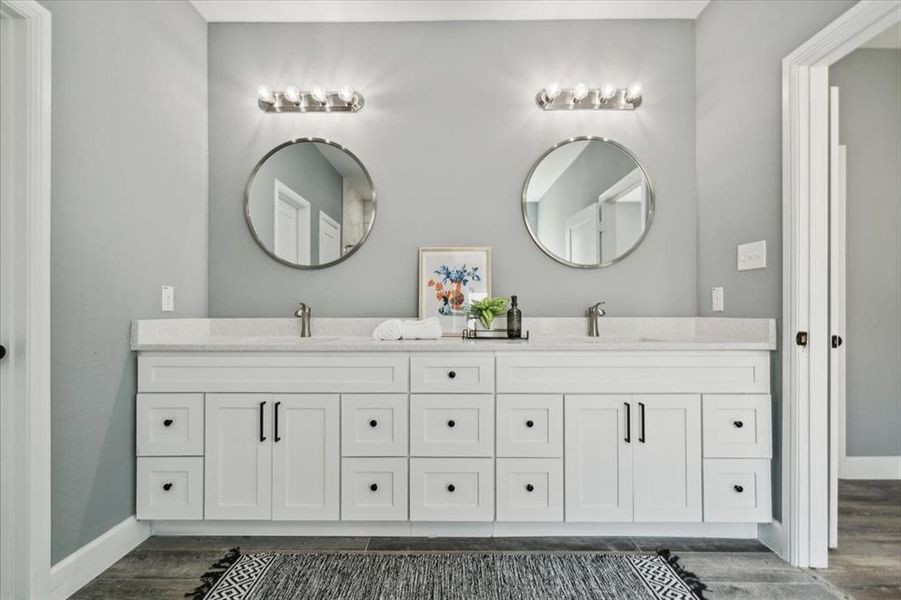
<point>318,11</point>
<point>890,38</point>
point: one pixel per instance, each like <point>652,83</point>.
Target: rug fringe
<point>216,571</point>
<point>691,580</point>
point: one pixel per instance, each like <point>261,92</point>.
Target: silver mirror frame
<point>253,174</point>
<point>651,202</point>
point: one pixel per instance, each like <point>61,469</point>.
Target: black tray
<point>490,334</point>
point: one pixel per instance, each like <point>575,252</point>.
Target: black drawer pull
<point>530,423</point>
<point>262,410</point>
<point>738,424</point>
<point>451,487</point>
<point>530,487</point>
<point>451,423</point>
<point>167,486</point>
<point>374,487</point>
<point>451,374</point>
<point>373,423</point>
<point>628,423</point>
<point>641,414</point>
<point>738,488</point>
<point>167,422</point>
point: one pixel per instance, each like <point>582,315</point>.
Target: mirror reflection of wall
<point>310,203</point>
<point>588,202</point>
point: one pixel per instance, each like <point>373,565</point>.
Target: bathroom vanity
<point>657,427</point>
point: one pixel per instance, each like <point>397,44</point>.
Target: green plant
<point>488,309</point>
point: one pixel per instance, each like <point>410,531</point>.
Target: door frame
<point>31,476</point>
<point>330,222</point>
<point>304,220</point>
<point>805,274</point>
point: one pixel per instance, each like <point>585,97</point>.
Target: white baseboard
<point>870,467</point>
<point>771,536</point>
<point>73,572</point>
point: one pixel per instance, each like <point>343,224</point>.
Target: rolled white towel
<point>426,329</point>
<point>392,329</point>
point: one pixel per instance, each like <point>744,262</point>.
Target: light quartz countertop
<point>547,335</point>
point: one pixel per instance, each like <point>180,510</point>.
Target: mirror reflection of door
<point>329,239</point>
<point>582,236</point>
<point>623,207</point>
<point>292,225</point>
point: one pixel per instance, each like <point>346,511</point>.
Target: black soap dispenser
<point>514,320</point>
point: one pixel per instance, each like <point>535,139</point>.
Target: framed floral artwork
<point>449,280</point>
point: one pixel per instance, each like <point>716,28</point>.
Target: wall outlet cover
<point>168,298</point>
<point>752,256</point>
<point>718,300</point>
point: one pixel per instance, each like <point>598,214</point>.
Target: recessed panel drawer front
<point>452,425</point>
<point>374,489</point>
<point>452,373</point>
<point>169,425</point>
<point>374,424</point>
<point>737,490</point>
<point>530,425</point>
<point>451,489</point>
<point>737,426</point>
<point>529,489</point>
<point>170,488</point>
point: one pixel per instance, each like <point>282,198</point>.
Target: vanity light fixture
<point>607,97</point>
<point>318,99</point>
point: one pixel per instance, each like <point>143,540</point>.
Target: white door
<point>238,469</point>
<point>305,457</point>
<point>667,457</point>
<point>598,458</point>
<point>291,228</point>
<point>582,236</point>
<point>329,239</point>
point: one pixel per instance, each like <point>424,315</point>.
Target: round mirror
<point>309,203</point>
<point>588,202</point>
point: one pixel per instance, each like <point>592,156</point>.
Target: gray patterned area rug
<point>449,576</point>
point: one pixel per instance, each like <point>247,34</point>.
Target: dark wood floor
<point>867,564</point>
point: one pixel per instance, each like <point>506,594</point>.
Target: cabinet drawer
<point>451,489</point>
<point>374,489</point>
<point>737,490</point>
<point>529,489</point>
<point>452,425</point>
<point>374,425</point>
<point>737,426</point>
<point>530,425</point>
<point>169,425</point>
<point>170,488</point>
<point>453,373</point>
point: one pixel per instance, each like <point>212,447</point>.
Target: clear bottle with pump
<point>514,320</point>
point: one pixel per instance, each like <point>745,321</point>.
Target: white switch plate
<point>168,299</point>
<point>752,256</point>
<point>718,300</point>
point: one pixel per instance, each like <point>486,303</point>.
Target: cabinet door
<point>305,457</point>
<point>238,472</point>
<point>598,458</point>
<point>667,457</point>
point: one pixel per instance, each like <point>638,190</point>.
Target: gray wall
<point>449,132</point>
<point>739,47</point>
<point>129,213</point>
<point>869,84</point>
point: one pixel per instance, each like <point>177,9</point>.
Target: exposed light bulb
<point>319,95</point>
<point>346,94</point>
<point>552,91</point>
<point>607,92</point>
<point>292,94</point>
<point>634,92</point>
<point>580,92</point>
<point>265,94</point>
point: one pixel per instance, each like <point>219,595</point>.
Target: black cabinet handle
<point>2,352</point>
<point>451,374</point>
<point>167,422</point>
<point>530,487</point>
<point>262,407</point>
<point>628,422</point>
<point>738,488</point>
<point>167,486</point>
<point>451,487</point>
<point>530,423</point>
<point>374,487</point>
<point>451,423</point>
<point>373,423</point>
<point>738,424</point>
<point>275,424</point>
<point>641,413</point>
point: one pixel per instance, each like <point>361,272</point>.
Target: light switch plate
<point>718,299</point>
<point>168,298</point>
<point>752,256</point>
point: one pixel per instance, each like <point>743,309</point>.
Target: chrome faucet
<point>594,312</point>
<point>304,312</point>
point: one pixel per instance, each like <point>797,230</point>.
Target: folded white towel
<point>426,329</point>
<point>392,329</point>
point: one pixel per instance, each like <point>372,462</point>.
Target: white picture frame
<point>450,278</point>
